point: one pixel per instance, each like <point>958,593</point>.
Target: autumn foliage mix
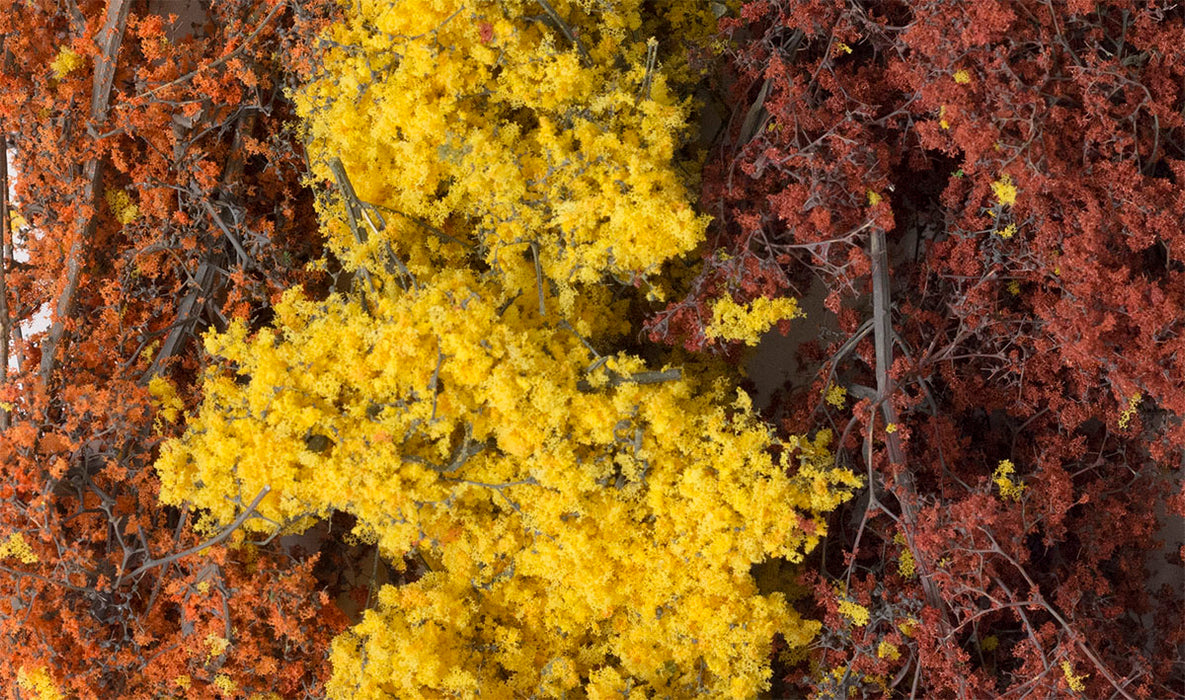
<point>393,348</point>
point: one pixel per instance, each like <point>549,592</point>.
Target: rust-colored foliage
<point>158,193</point>
<point>1025,162</point>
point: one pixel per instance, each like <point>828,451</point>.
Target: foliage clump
<point>991,194</point>
<point>155,192</point>
<point>501,183</point>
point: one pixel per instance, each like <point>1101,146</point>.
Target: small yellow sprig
<point>855,612</point>
<point>66,62</point>
<point>1003,476</point>
<point>1075,682</point>
<point>1125,418</point>
<point>836,395</point>
<point>1005,190</point>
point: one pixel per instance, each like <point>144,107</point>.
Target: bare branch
<point>566,30</point>
<point>226,532</point>
<point>652,377</point>
<point>5,225</point>
<point>214,64</point>
<point>110,38</point>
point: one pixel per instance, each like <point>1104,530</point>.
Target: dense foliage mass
<point>453,293</point>
<point>155,192</point>
<point>590,522</point>
<point>1021,164</point>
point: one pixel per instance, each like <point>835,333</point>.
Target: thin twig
<point>216,217</point>
<point>355,210</point>
<point>616,380</point>
<point>566,30</point>
<point>418,222</point>
<point>226,532</point>
<point>213,64</point>
<point>5,225</point>
<point>176,539</point>
<point>651,64</point>
<point>538,277</point>
<point>1078,639</point>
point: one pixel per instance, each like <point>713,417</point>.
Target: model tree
<point>156,193</point>
<point>500,184</point>
<point>991,192</point>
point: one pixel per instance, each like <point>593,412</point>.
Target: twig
<point>755,116</point>
<point>882,326</point>
<point>468,448</point>
<point>188,312</point>
<point>176,538</point>
<point>418,222</point>
<point>214,64</point>
<point>111,36</point>
<point>216,217</point>
<point>434,382</point>
<point>5,225</point>
<point>355,209</point>
<point>651,63</point>
<point>616,380</point>
<point>567,31</point>
<point>18,574</point>
<point>538,277</point>
<point>226,532</point>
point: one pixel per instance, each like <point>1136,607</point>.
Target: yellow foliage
<point>590,522</point>
<point>225,685</point>
<point>523,137</point>
<point>165,397</point>
<point>66,62</point>
<point>1004,478</point>
<point>1004,190</point>
<point>1125,418</point>
<point>39,684</point>
<point>906,564</point>
<point>887,650</point>
<point>513,478</point>
<point>837,396</point>
<point>17,221</point>
<point>855,612</point>
<point>1075,682</point>
<point>216,646</point>
<point>746,323</point>
<point>18,548</point>
<point>123,208</point>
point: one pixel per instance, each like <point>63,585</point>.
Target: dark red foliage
<point>1045,331</point>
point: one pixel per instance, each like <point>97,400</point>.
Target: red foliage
<point>1044,331</point>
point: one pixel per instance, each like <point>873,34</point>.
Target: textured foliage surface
<point>588,522</point>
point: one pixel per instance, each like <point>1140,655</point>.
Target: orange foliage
<point>158,194</point>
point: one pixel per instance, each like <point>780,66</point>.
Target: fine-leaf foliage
<point>501,180</point>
